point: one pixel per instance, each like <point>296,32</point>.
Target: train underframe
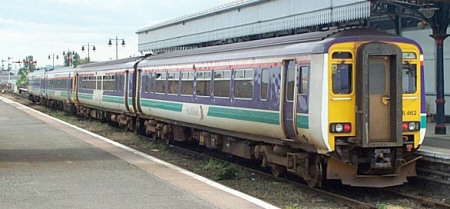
<point>352,165</point>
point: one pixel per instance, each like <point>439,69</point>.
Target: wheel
<point>277,170</point>
<point>315,173</point>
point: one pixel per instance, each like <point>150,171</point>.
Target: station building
<point>246,20</point>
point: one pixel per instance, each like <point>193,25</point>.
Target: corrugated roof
<point>249,17</point>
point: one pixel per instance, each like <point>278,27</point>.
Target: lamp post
<point>88,47</point>
<point>3,65</point>
<point>53,56</point>
<point>117,43</point>
<point>69,55</point>
<point>9,71</point>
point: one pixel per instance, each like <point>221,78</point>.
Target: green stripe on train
<point>85,96</point>
<point>63,94</point>
<point>303,121</point>
<point>247,115</point>
<point>177,107</point>
<point>423,121</point>
<point>51,92</point>
<point>113,99</point>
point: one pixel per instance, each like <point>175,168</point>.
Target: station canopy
<point>246,20</point>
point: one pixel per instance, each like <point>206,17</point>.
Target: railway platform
<point>47,163</point>
<point>434,145</point>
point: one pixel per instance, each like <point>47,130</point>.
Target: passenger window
<point>341,78</point>
<point>145,81</point>
<point>243,83</point>
<point>264,84</point>
<point>290,80</point>
<point>161,82</point>
<point>187,83</point>
<point>222,80</point>
<point>304,80</point>
<point>172,82</point>
<point>108,83</point>
<point>203,83</point>
<point>409,78</point>
<point>99,82</point>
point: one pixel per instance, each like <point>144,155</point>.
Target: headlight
<point>339,127</point>
<point>412,126</point>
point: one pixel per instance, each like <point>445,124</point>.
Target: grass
<point>225,171</point>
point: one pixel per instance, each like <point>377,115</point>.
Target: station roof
<point>248,17</point>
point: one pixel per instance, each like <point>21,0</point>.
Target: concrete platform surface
<point>436,145</point>
<point>47,163</point>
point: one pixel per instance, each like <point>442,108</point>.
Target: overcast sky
<point>44,27</point>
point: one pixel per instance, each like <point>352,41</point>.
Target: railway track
<point>336,195</point>
<point>349,202</point>
<point>434,169</point>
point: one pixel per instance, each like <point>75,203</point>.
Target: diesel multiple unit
<point>346,105</point>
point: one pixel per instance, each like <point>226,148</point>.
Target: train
<point>344,104</point>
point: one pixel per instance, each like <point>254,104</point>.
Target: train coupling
<point>348,174</point>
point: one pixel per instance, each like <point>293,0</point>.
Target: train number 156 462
<point>409,112</point>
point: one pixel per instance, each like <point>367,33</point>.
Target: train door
<point>76,84</point>
<point>126,90</point>
<point>379,95</point>
<point>288,78</point>
<point>69,87</point>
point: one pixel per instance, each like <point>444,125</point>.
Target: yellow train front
<point>376,111</point>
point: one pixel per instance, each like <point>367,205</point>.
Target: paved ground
<point>51,165</point>
<point>436,145</point>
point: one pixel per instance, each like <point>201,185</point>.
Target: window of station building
<point>341,78</point>
<point>203,83</point>
<point>187,83</point>
<point>409,78</point>
<point>243,83</point>
<point>304,80</point>
<point>222,80</point>
<point>172,82</point>
<point>264,84</point>
<point>160,82</point>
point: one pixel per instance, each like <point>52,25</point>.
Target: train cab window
<point>160,82</point>
<point>409,78</point>
<point>264,84</point>
<point>341,55</point>
<point>304,79</point>
<point>187,83</point>
<point>172,82</point>
<point>222,80</point>
<point>203,83</point>
<point>243,83</point>
<point>342,78</point>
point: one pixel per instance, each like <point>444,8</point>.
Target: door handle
<point>385,100</point>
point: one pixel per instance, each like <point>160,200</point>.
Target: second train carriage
<point>345,105</point>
